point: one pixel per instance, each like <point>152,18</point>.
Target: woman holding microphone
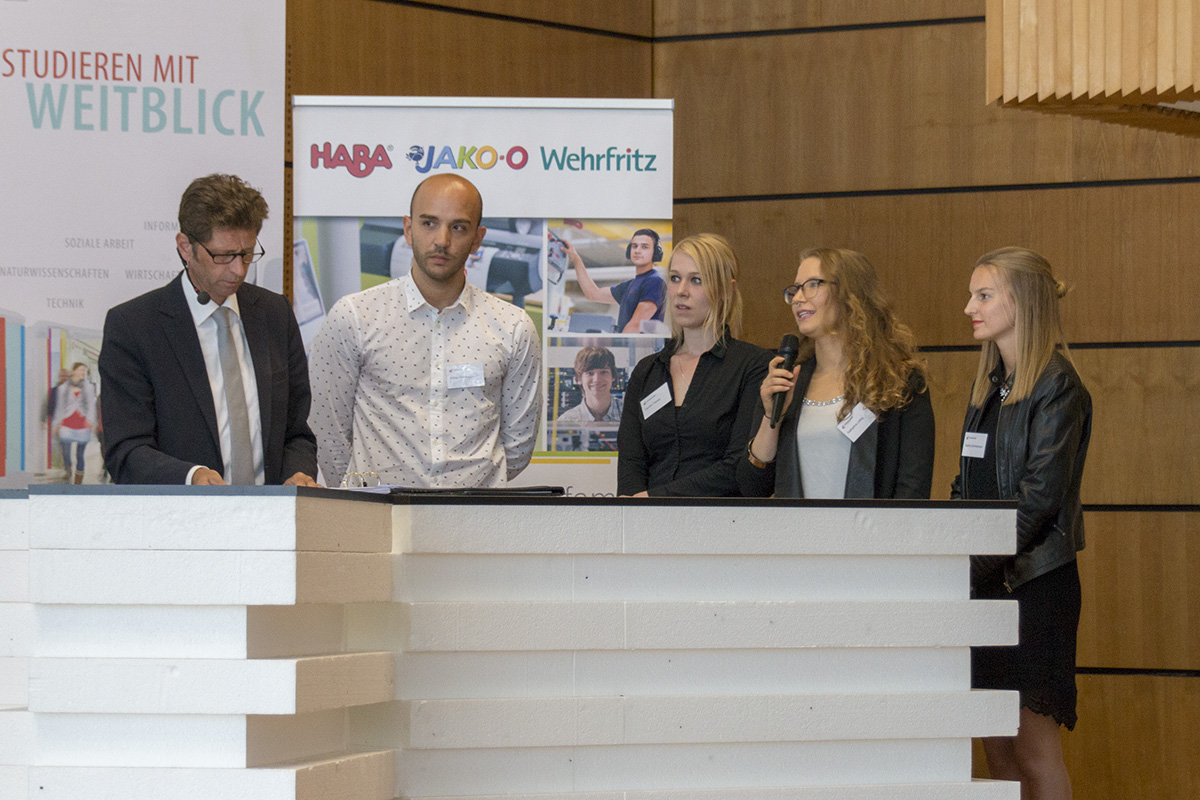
<point>856,417</point>
<point>1025,438</point>
<point>689,407</point>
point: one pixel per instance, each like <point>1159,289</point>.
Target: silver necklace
<point>820,403</point>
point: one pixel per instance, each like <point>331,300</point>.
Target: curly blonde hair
<point>880,350</point>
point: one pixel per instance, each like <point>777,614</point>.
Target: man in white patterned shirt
<point>426,380</point>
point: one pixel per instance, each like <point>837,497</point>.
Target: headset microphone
<point>202,297</point>
<point>789,348</point>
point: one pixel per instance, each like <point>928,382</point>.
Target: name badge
<point>461,376</point>
<point>856,422</point>
<point>655,400</point>
<point>974,445</point>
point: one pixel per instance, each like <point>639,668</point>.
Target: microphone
<point>202,297</point>
<point>789,348</point>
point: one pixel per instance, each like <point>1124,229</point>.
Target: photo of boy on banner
<point>585,389</point>
<point>606,276</point>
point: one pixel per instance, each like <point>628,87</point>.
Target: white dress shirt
<point>207,330</point>
<point>424,398</point>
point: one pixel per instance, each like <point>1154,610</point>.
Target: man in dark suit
<point>205,380</point>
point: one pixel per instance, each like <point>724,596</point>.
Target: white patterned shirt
<point>424,398</point>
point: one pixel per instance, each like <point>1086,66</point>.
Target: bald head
<point>448,186</point>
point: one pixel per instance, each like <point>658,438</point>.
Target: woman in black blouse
<point>857,422</point>
<point>689,408</point>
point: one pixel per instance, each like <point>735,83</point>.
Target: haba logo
<point>473,157</point>
<point>360,161</point>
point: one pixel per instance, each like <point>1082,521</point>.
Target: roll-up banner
<point>107,111</point>
<point>551,171</point>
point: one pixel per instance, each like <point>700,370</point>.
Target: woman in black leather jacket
<point>1025,438</point>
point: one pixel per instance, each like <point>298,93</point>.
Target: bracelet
<point>755,461</point>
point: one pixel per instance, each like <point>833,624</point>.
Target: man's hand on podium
<point>207,477</point>
<point>300,479</point>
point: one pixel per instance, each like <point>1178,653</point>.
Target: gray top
<point>824,452</point>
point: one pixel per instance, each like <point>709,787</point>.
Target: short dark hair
<point>590,358</point>
<point>653,234</point>
<point>220,201</point>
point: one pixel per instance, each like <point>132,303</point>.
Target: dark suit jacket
<point>891,459</point>
<point>159,417</point>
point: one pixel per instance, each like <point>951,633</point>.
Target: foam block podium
<point>280,643</point>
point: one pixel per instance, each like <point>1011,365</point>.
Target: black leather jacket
<point>1041,444</point>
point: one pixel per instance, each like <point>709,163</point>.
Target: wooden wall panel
<point>1134,457</point>
<point>893,108</point>
<point>633,17</point>
<point>1136,738</point>
<point>373,48</point>
<point>1122,248</point>
<point>692,17</point>
<point>1141,599</point>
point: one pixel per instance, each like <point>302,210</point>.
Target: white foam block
<point>978,790</point>
<point>152,631</point>
<point>600,673</point>
<point>516,626</point>
<point>184,522</point>
<point>206,741</point>
<point>714,530</point>
<point>815,531</point>
<point>14,783</point>
<point>272,740</point>
<point>108,631</point>
<point>175,577</point>
<point>953,623</point>
<point>574,721</point>
<point>202,686</point>
<point>363,776</point>
<point>14,682</point>
<point>182,577</point>
<point>741,625</point>
<point>597,578</point>
<point>473,529</point>
<point>343,577</point>
<point>16,629</point>
<point>281,631</point>
<point>14,523</point>
<point>422,773</point>
<point>376,626</point>
<point>16,737</point>
<point>14,576</point>
<point>802,670</point>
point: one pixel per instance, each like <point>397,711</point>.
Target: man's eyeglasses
<point>227,258</point>
<point>808,290</point>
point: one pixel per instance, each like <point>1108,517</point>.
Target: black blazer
<point>158,413</point>
<point>892,459</point>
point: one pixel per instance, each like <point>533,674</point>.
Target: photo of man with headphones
<point>640,298</point>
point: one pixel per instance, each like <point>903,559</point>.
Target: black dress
<point>1042,665</point>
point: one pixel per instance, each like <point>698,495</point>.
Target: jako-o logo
<point>484,157</point>
<point>360,161</point>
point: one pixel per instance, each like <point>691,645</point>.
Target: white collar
<point>201,313</point>
<point>414,299</point>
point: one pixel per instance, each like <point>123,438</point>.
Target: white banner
<point>530,157</point>
<point>591,173</point>
<point>107,111</point>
